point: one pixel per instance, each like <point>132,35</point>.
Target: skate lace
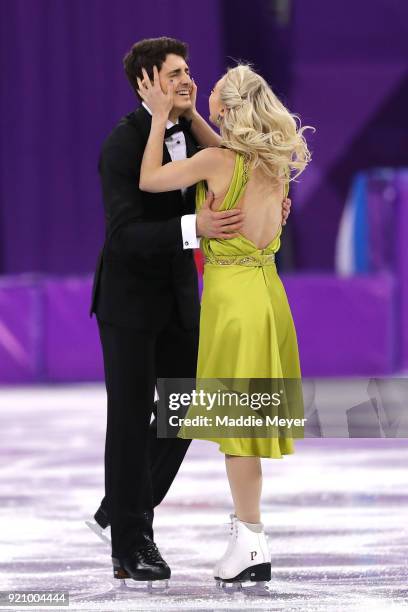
<point>151,552</point>
<point>233,527</point>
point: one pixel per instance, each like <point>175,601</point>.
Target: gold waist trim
<point>259,260</point>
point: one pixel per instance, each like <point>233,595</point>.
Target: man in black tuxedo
<point>146,300</point>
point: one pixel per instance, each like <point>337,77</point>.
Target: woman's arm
<point>153,176</point>
<point>203,133</point>
<point>175,175</point>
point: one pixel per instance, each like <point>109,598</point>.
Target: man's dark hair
<point>148,53</point>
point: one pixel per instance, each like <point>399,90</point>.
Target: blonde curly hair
<point>258,125</point>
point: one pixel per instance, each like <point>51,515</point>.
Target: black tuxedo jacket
<point>143,272</point>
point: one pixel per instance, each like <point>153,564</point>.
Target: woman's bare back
<point>261,201</point>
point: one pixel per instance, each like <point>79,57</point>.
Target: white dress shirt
<point>176,146</point>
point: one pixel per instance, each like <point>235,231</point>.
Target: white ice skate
<point>247,557</point>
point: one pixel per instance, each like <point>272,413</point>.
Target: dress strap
<point>245,170</point>
<point>286,186</point>
<point>236,188</point>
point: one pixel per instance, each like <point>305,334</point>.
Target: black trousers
<point>139,467</point>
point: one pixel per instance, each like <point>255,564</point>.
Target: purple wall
<point>46,334</point>
<point>350,62</point>
<point>341,65</point>
<point>63,90</point>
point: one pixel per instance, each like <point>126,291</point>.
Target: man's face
<point>175,69</point>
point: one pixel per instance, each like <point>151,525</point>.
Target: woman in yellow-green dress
<point>246,327</point>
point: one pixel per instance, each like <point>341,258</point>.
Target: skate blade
<point>152,586</point>
<point>233,587</point>
<point>98,531</point>
<point>158,586</point>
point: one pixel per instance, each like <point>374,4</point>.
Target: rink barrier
<point>345,327</point>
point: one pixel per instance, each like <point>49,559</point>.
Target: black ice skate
<point>101,522</point>
<point>144,564</point>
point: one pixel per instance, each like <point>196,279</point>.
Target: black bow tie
<point>181,126</point>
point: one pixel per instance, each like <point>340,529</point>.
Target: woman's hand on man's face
<point>188,114</point>
<point>159,103</point>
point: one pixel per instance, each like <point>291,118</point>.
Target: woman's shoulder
<point>217,156</point>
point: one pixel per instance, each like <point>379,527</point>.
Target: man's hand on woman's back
<point>218,224</point>
<point>286,204</point>
<point>227,224</point>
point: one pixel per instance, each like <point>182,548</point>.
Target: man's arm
<point>119,170</point>
<point>189,232</point>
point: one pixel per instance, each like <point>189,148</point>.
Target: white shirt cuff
<point>188,232</point>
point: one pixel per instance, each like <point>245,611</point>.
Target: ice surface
<point>335,514</point>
